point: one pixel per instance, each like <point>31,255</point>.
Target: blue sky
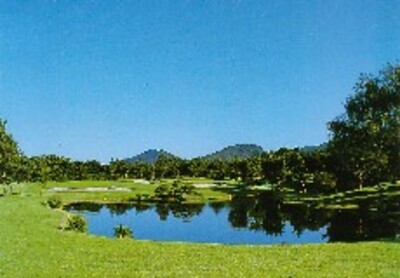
<point>102,79</point>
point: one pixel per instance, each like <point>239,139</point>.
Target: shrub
<point>162,191</point>
<point>54,202</point>
<point>122,232</point>
<point>76,223</point>
<point>140,197</point>
<point>176,192</point>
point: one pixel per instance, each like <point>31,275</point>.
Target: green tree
<point>293,169</point>
<point>50,168</point>
<point>162,191</point>
<point>95,171</point>
<point>365,140</point>
<point>272,166</point>
<point>167,166</point>
<point>120,169</point>
<point>198,167</point>
<point>78,170</point>
<point>10,156</point>
<point>217,169</point>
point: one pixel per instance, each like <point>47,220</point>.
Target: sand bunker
<point>204,185</point>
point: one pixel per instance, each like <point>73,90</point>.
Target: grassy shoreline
<point>32,245</point>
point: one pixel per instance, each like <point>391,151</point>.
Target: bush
<point>139,198</point>
<point>76,223</point>
<point>54,202</point>
<point>176,192</point>
<point>122,231</point>
<point>162,191</point>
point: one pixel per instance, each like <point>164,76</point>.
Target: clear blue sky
<point>102,79</point>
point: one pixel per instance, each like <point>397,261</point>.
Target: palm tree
<point>122,231</point>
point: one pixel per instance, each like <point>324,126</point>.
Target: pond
<point>261,219</point>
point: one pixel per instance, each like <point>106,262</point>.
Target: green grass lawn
<point>32,245</point>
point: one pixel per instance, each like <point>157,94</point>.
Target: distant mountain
<point>308,149</point>
<point>236,151</point>
<point>149,156</point>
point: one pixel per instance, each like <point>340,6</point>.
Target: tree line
<point>363,150</point>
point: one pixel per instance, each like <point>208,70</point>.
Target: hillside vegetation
<point>149,156</point>
<point>236,151</point>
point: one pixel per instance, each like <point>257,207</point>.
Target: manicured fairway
<point>205,194</point>
<point>31,245</point>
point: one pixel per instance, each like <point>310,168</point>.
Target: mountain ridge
<point>149,156</point>
<point>230,152</point>
<point>235,151</point>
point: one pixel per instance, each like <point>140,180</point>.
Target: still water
<point>261,219</point>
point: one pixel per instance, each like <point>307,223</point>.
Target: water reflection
<point>267,212</point>
<point>352,225</point>
<point>251,216</point>
<point>184,212</point>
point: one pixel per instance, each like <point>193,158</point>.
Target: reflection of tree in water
<point>85,206</point>
<point>140,207</point>
<point>303,217</point>
<point>181,211</point>
<point>383,222</point>
<point>267,214</point>
<point>353,225</point>
<point>186,211</point>
<point>376,218</point>
<point>217,206</point>
<point>261,212</point>
<point>119,209</point>
<point>162,210</point>
<point>240,205</point>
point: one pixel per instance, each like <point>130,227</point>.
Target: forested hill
<point>309,149</point>
<point>149,156</point>
<point>238,151</point>
<point>228,153</point>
